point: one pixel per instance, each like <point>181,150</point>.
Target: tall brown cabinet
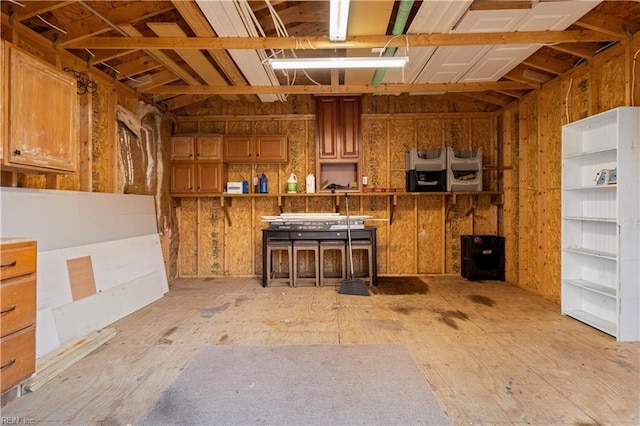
<point>339,139</point>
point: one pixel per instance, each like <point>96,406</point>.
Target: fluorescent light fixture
<point>338,20</point>
<point>329,63</point>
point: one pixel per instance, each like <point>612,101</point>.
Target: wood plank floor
<point>493,353</point>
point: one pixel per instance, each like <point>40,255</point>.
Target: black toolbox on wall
<point>482,257</point>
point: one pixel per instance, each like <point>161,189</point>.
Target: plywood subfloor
<point>492,352</point>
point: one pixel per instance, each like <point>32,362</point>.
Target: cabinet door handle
<point>17,152</point>
<point>9,364</point>
<point>9,265</point>
<point>9,309</point>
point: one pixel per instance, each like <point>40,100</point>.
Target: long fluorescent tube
<point>328,63</point>
<point>338,19</point>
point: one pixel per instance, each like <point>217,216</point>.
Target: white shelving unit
<point>600,222</point>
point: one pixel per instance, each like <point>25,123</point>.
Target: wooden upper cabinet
<point>327,127</point>
<point>255,149</point>
<point>42,115</point>
<point>197,147</point>
<point>270,149</point>
<point>349,130</point>
<point>237,149</point>
<point>338,127</point>
<point>209,147</point>
<point>182,148</point>
<point>196,164</point>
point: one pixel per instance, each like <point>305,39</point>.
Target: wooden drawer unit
<point>17,351</point>
<point>18,311</point>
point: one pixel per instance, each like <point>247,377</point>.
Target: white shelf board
<point>590,188</point>
<point>593,253</point>
<point>591,286</point>
<point>595,152</point>
<point>591,219</point>
<point>594,321</point>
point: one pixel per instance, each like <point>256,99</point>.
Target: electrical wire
<point>633,78</point>
<point>51,25</point>
<point>566,99</point>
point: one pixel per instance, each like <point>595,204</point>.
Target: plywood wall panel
<point>104,139</point>
<point>529,194</point>
<point>485,216</point>
<point>212,127</point>
<point>457,134</point>
<point>610,81</point>
<point>296,132</point>
<point>375,164</point>
<point>509,217</point>
<point>386,135</point>
<point>430,235</point>
<point>267,206</point>
<point>577,103</point>
<point>188,126</point>
<point>456,225</point>
<point>188,235</point>
<point>211,237</point>
<point>429,134</point>
<point>549,180</point>
<point>402,238</point>
<point>239,238</point>
<point>402,136</point>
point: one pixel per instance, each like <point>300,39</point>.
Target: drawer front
<point>18,357</point>
<point>17,304</point>
<point>17,259</point>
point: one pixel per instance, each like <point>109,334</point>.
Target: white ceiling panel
<point>554,16</point>
<point>486,62</point>
<point>226,20</point>
<point>433,17</point>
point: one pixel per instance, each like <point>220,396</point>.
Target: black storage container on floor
<point>482,257</point>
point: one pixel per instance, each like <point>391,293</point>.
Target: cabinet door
<point>237,149</point>
<point>182,178</point>
<point>43,115</point>
<point>327,127</point>
<point>209,147</point>
<point>349,127</point>
<point>182,148</point>
<point>270,149</point>
<point>210,177</point>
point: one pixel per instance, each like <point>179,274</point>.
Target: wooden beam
<point>607,24</point>
<point>321,42</point>
<point>96,25</point>
<point>383,88</point>
<point>161,57</point>
<point>202,28</point>
<point>488,98</point>
<point>32,9</point>
<point>584,50</point>
<point>194,58</point>
<point>136,66</point>
<point>548,64</point>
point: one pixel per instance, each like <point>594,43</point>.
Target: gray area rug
<point>300,385</point>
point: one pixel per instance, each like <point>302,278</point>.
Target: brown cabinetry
<point>18,310</point>
<point>40,113</point>
<point>255,149</point>
<point>338,134</point>
<point>196,164</point>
